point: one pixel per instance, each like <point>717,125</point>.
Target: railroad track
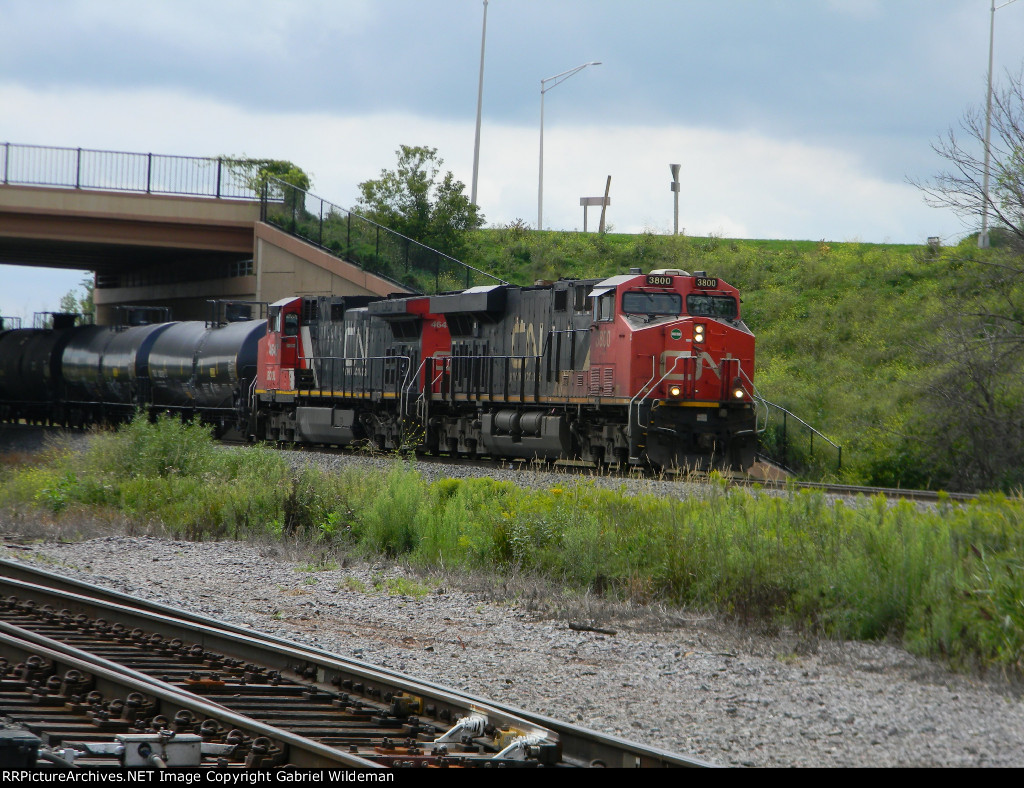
<point>585,470</point>
<point>103,679</point>
<point>581,469</point>
<point>849,490</point>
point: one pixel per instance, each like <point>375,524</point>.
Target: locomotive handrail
<point>252,398</point>
<point>415,375</point>
<point>640,393</point>
<point>428,386</point>
<point>506,377</point>
<point>643,396</point>
<point>406,383</point>
<point>758,401</point>
<point>364,360</point>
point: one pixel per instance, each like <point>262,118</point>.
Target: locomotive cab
<point>675,345</point>
<point>279,349</point>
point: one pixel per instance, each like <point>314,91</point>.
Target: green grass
<point>163,472</point>
<point>948,582</point>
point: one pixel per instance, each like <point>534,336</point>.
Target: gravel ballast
<point>687,684</point>
<point>679,680</point>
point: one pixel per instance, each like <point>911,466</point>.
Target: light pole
<point>479,109</point>
<point>556,80</point>
<point>675,190</point>
<point>983,237</point>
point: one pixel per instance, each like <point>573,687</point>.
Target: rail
<point>122,171</point>
<point>379,694</point>
<point>369,245</point>
<point>31,645</point>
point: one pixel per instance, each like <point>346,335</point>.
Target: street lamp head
<point>555,81</point>
<point>558,79</point>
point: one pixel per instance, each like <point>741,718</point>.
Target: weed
<point>401,586</point>
<point>353,584</point>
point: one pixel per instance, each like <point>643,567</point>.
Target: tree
<point>77,301</point>
<point>962,186</point>
<point>973,401</point>
<point>410,200</point>
<point>972,423</point>
<point>258,174</point>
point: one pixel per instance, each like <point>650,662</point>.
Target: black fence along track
<point>321,706</point>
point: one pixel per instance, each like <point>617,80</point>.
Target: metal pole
<point>556,80</point>
<point>983,237</point>
<point>983,240</point>
<point>675,189</point>
<point>479,110</point>
<point>540,177</point>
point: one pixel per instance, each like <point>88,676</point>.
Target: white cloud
<point>734,183</point>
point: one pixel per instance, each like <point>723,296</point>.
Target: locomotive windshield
<point>639,303</point>
<point>700,305</point>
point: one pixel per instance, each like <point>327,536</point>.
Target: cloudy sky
<point>795,119</point>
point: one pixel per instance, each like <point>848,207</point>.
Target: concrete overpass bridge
<point>178,231</point>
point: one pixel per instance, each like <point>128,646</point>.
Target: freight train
<point>649,369</point>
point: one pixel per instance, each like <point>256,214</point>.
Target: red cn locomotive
<point>652,369</point>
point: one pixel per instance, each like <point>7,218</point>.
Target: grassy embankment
<point>843,329</point>
<point>946,582</point>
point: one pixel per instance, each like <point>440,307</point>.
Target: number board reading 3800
<point>705,282</point>
<point>654,280</point>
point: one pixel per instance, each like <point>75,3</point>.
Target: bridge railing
<point>349,236</point>
<point>144,173</point>
<point>369,245</point>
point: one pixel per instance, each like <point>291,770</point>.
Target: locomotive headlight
<point>675,391</point>
<point>738,393</point>
<point>698,332</point>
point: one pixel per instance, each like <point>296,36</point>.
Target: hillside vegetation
<point>848,333</point>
